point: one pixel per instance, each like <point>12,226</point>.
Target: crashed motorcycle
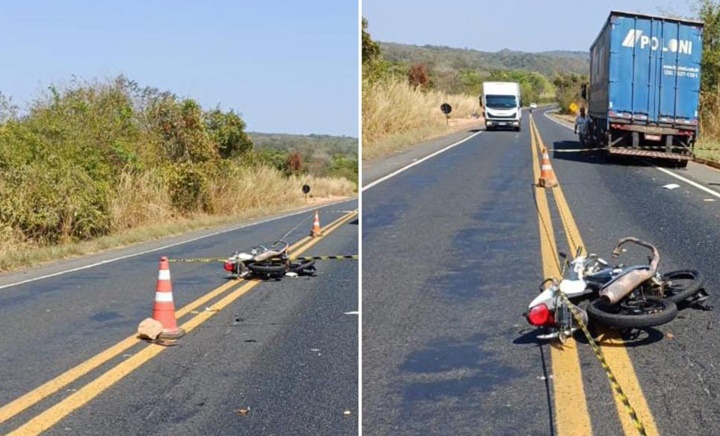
<point>620,296</point>
<point>268,262</point>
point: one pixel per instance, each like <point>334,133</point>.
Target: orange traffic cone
<point>547,175</point>
<point>316,226</point>
<point>164,308</point>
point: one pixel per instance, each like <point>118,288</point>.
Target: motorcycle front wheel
<point>268,269</point>
<point>631,313</point>
<point>682,284</point>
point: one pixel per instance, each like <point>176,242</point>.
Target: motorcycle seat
<point>269,254</point>
<point>572,287</point>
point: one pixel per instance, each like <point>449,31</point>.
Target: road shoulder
<point>375,169</point>
<point>113,254</point>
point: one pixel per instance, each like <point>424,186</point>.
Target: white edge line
<point>417,162</point>
<point>666,171</point>
<point>689,182</point>
<point>360,230</point>
<point>127,256</point>
<point>545,114</point>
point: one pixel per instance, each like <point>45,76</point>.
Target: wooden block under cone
<point>544,183</point>
<point>150,329</point>
<point>164,308</point>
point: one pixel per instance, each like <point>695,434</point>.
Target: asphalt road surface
<point>452,257</point>
<point>280,358</point>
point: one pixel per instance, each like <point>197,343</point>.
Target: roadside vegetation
<point>462,71</point>
<point>404,86</point>
<point>567,91</point>
<point>708,146</point>
<point>396,114</point>
<point>453,60</point>
<point>399,106</point>
<point>91,165</point>
<point>320,155</point>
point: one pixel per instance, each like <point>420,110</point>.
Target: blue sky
<point>526,25</point>
<point>287,66</point>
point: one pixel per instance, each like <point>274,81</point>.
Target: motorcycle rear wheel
<point>687,283</point>
<point>628,313</point>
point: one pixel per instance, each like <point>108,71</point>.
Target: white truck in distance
<point>501,103</point>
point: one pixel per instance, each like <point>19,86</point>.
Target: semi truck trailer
<point>644,86</point>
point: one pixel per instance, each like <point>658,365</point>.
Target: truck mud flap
<point>649,153</point>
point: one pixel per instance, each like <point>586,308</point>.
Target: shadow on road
<point>548,392</point>
<point>529,336</point>
<point>628,338</point>
<point>573,151</point>
<point>457,373</point>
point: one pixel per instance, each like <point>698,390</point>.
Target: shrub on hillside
<point>63,160</point>
<point>54,203</point>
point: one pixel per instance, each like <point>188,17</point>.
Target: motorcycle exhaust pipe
<point>620,288</point>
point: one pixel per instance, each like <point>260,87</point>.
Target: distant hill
<point>307,144</point>
<point>441,58</point>
<point>581,55</point>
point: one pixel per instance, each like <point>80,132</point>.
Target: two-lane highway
<point>452,255</point>
<point>674,363</point>
<point>450,252</point>
<point>259,358</point>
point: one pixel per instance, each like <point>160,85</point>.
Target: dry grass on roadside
<point>710,119</point>
<point>708,146</point>
<point>138,200</point>
<point>141,211</point>
<point>255,187</point>
<point>708,149</point>
<point>396,115</point>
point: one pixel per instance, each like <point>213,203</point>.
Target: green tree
<point>374,67</point>
<point>227,129</point>
<point>567,89</point>
<point>370,49</point>
<point>181,126</point>
<point>709,13</point>
<point>343,166</point>
<point>471,82</point>
<point>532,84</point>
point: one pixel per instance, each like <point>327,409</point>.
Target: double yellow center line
<point>53,415</point>
<point>570,405</point>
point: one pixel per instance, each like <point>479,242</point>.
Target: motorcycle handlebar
<point>655,254</point>
<point>284,244</point>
